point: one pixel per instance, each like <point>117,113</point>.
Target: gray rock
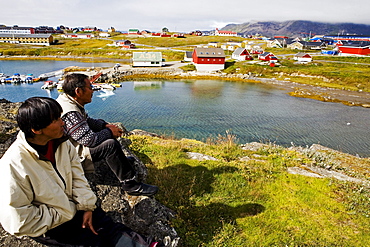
<point>199,156</point>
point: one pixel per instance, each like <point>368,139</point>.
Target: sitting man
<point>95,139</point>
<point>44,193</point>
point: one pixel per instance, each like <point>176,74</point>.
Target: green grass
<point>253,203</point>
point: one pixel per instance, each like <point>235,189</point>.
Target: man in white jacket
<point>44,193</point>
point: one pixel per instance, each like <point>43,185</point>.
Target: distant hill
<point>298,28</point>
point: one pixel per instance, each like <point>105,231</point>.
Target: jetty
<point>51,74</point>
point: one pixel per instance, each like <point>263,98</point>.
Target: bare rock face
<point>144,215</point>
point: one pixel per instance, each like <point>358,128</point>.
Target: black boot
<point>134,188</point>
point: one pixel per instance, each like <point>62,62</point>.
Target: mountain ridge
<point>297,28</point>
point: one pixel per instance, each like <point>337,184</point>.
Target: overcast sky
<point>180,16</point>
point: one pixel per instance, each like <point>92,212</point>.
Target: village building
<point>46,29</point>
<point>147,59</point>
<point>348,37</point>
<point>126,44</point>
<point>279,42</point>
<point>134,31</point>
<point>303,57</point>
<point>267,56</point>
<point>305,45</point>
<point>111,30</point>
<point>213,44</point>
<point>78,35</point>
<point>209,59</point>
<point>355,49</point>
<point>241,54</point>
<point>89,29</point>
<point>104,34</point>
<point>196,33</point>
<point>188,56</point>
<point>30,39</point>
<point>225,33</point>
<point>231,46</point>
<point>16,30</point>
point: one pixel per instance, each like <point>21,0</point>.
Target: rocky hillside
<point>143,214</point>
<point>298,28</point>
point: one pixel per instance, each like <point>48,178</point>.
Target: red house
<point>241,54</point>
<point>358,49</point>
<point>209,59</point>
<point>124,44</point>
<point>267,56</point>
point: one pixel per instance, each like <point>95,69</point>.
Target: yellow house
<point>32,39</point>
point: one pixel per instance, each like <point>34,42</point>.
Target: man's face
<point>86,93</point>
<point>54,130</point>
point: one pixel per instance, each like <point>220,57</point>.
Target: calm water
<point>204,108</point>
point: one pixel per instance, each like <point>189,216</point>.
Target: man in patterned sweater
<point>95,139</point>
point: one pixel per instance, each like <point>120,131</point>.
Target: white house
<point>188,56</point>
<point>225,33</point>
<point>302,57</point>
<point>104,34</point>
<point>78,35</point>
<point>147,59</point>
<point>241,54</point>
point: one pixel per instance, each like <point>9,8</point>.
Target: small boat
<point>116,85</point>
<point>16,78</point>
<point>104,86</point>
<point>49,85</point>
<point>27,78</point>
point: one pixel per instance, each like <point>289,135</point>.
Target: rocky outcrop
<point>144,215</point>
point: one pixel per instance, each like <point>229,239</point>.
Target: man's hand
<point>87,221</point>
<point>117,132</point>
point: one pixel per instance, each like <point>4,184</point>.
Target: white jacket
<point>33,196</point>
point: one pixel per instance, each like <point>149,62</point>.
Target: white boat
<point>49,85</point>
<point>27,78</point>
<point>104,86</point>
<point>60,84</point>
<point>16,78</point>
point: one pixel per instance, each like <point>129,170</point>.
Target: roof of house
<point>266,53</point>
<point>302,54</point>
<point>209,52</point>
<point>147,56</point>
<point>308,44</point>
<point>238,51</point>
<point>189,54</point>
<point>356,43</point>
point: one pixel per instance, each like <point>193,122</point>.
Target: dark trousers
<point>111,152</point>
<point>110,233</point>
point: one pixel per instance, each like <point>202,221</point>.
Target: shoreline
<point>172,70</point>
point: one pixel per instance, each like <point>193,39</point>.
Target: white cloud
<point>178,16</point>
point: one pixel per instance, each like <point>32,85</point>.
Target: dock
<point>51,74</point>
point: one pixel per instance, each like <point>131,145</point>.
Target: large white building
<point>147,59</point>
<point>16,30</point>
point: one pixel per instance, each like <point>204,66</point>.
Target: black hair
<point>73,81</point>
<point>37,113</point>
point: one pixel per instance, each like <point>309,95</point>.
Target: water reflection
<point>207,89</point>
<point>105,93</point>
<point>145,85</point>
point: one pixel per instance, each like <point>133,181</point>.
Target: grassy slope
<point>254,203</point>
